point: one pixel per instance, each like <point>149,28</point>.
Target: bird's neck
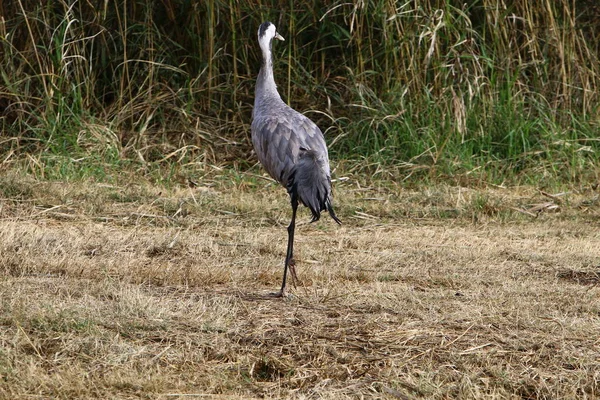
<point>265,84</point>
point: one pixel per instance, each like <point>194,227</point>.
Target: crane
<point>290,147</point>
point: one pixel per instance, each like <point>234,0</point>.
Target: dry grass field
<point>138,291</point>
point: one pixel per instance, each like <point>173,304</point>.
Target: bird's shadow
<point>265,296</point>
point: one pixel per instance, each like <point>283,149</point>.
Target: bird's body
<point>289,146</point>
<point>292,150</point>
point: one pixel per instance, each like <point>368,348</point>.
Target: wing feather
<point>278,140</point>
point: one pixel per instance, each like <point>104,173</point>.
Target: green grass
<point>477,92</point>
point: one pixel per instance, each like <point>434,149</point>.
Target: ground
<point>140,291</point>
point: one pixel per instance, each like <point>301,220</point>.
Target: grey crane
<point>290,147</point>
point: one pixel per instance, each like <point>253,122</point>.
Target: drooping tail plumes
<point>310,183</point>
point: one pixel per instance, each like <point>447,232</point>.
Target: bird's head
<point>266,33</point>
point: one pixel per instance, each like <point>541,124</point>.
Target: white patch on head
<point>270,31</point>
<point>267,36</point>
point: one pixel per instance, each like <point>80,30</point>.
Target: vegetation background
<point>482,91</point>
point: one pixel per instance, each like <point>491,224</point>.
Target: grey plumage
<point>289,146</point>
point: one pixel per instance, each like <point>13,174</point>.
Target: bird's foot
<point>282,294</point>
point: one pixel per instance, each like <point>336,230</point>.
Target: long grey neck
<point>265,83</point>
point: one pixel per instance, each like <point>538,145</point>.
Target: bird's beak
<point>279,37</point>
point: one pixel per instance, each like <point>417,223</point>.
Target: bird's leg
<point>292,268</point>
<point>289,258</point>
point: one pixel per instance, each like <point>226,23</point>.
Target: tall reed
<point>450,88</point>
